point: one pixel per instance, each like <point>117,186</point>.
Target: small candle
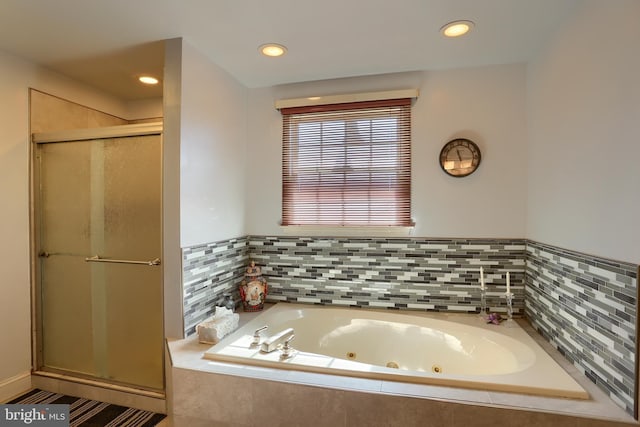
<point>508,284</point>
<point>481,278</point>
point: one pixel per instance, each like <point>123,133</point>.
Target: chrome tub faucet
<point>272,343</point>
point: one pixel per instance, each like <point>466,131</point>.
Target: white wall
<point>484,104</point>
<point>171,249</point>
<point>583,119</point>
<point>145,108</point>
<point>212,151</point>
<point>16,76</point>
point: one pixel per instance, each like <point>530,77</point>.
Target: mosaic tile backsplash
<point>586,307</point>
<point>419,274</point>
<point>208,273</point>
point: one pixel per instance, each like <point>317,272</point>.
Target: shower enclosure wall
<point>98,243</point>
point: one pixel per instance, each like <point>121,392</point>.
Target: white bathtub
<point>440,349</point>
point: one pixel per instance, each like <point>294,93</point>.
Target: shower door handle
<point>96,258</point>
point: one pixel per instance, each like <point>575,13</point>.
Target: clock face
<point>460,157</point>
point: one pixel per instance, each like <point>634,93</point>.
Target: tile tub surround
<point>410,273</point>
<point>406,273</point>
<point>209,271</point>
<point>206,392</point>
<point>205,399</point>
<point>587,307</point>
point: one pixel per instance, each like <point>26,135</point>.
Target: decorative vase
<point>253,289</point>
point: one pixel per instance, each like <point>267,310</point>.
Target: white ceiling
<point>106,43</point>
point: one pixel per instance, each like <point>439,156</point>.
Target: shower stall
<point>98,250</point>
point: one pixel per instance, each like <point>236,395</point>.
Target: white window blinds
<point>347,164</point>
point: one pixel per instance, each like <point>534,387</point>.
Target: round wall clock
<point>460,157</point>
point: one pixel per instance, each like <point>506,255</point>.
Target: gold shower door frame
<point>98,244</point>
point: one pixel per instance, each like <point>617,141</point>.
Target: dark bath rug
<point>91,413</point>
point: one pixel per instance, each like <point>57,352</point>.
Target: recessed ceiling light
<point>272,49</point>
<point>148,80</point>
<point>456,28</point>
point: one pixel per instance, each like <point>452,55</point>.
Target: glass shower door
<point>99,239</point>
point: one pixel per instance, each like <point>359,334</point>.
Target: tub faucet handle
<point>256,336</point>
<point>287,350</point>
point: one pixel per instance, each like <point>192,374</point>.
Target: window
<point>347,164</point>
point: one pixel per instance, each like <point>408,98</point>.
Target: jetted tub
<point>432,348</point>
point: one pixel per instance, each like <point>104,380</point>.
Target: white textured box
<point>212,330</point>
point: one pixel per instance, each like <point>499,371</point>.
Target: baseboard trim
<point>15,386</point>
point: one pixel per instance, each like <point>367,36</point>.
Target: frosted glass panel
<point>65,220</point>
<point>104,320</point>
